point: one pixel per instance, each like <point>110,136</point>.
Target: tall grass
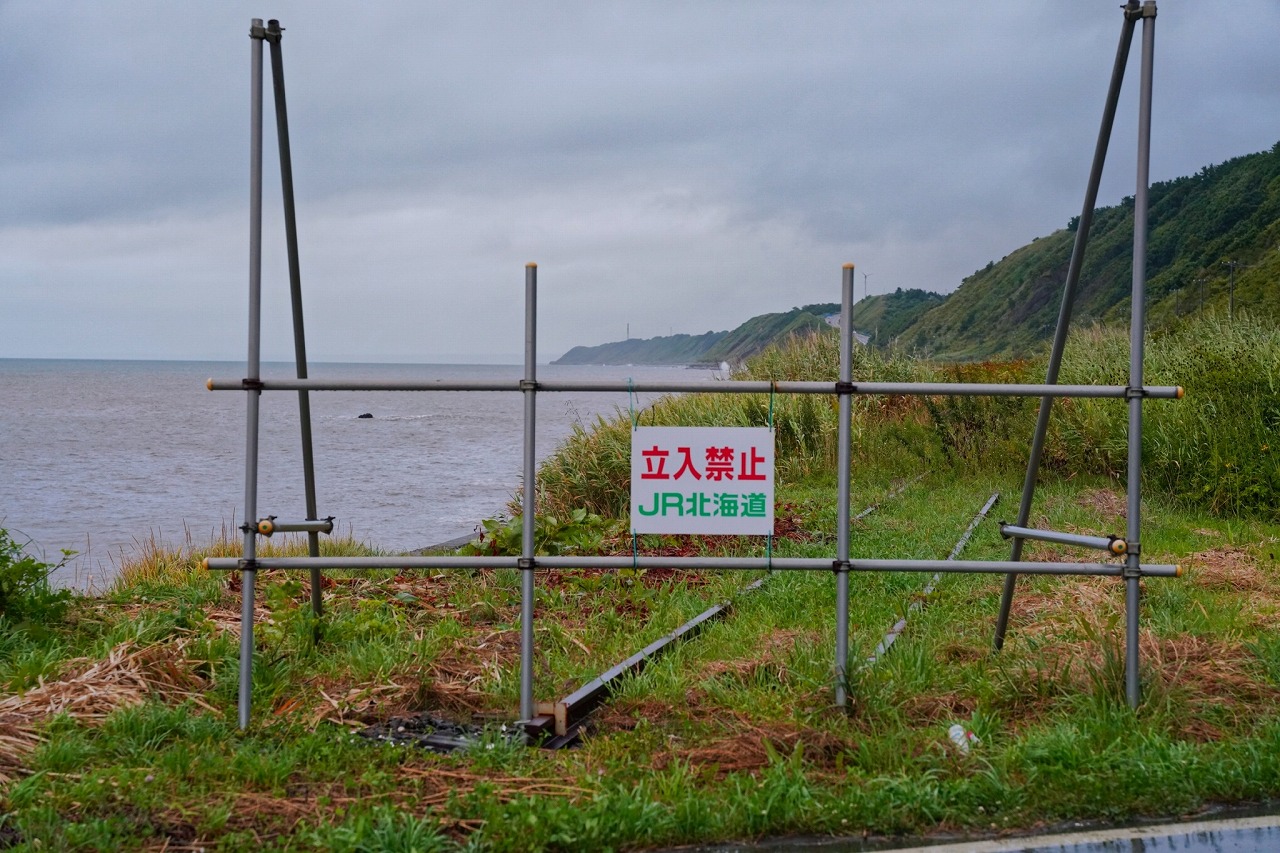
<point>1214,449</point>
<point>592,468</point>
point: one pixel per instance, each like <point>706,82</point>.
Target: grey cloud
<point>725,156</point>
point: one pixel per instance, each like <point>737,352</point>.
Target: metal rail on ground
<point>560,721</point>
<point>253,385</point>
<point>918,604</point>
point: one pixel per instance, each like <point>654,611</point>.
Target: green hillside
<point>1229,212</point>
<point>884,317</point>
<point>1224,213</point>
<point>713,347</point>
<point>669,349</point>
<point>758,332</point>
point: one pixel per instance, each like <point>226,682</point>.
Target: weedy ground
<point>118,714</point>
<point>119,728</point>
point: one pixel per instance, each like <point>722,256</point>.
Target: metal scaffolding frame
<point>840,564</point>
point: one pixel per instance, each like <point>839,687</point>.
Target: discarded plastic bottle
<point>962,738</point>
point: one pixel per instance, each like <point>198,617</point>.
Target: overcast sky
<point>675,166</point>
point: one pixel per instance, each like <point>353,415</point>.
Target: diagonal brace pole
<point>272,36</point>
<point>1131,14</point>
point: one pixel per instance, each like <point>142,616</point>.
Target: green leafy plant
<point>27,601</point>
<point>286,616</point>
<point>580,532</point>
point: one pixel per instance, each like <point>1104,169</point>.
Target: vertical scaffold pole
<point>253,375</point>
<point>1137,329</point>
<point>529,387</point>
<point>1064,310</point>
<point>273,36</point>
<point>843,453</point>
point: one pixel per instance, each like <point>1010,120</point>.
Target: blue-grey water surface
<point>99,456</point>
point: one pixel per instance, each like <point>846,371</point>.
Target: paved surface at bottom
<point>1220,836</point>
<point>1243,834</point>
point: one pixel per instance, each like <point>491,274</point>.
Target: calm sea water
<point>99,456</point>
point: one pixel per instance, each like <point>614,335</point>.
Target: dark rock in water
<point>366,415</point>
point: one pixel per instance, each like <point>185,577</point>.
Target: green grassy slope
<point>713,347</point>
<point>884,317</point>
<point>758,332</point>
<point>1225,212</point>
<point>1228,212</point>
<point>669,349</point>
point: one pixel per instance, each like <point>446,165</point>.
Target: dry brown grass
<point>1230,568</point>
<point>453,686</point>
<point>1096,600</point>
<point>1105,502</point>
<point>127,677</point>
<point>421,791</point>
<point>1074,628</point>
<point>768,659</point>
<point>1207,679</point>
<point>745,747</point>
<point>928,709</point>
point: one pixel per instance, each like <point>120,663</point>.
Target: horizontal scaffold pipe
<point>793,564</point>
<point>978,389</point>
<point>270,525</point>
<point>1113,544</point>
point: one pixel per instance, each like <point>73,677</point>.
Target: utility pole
<point>1231,300</point>
<point>1200,282</point>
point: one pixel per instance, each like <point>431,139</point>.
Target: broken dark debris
<point>434,733</point>
<point>438,735</point>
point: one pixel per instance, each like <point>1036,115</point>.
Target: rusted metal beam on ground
<point>540,726</point>
<point>570,713</point>
<point>573,737</point>
<point>582,701</point>
<point>574,708</point>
